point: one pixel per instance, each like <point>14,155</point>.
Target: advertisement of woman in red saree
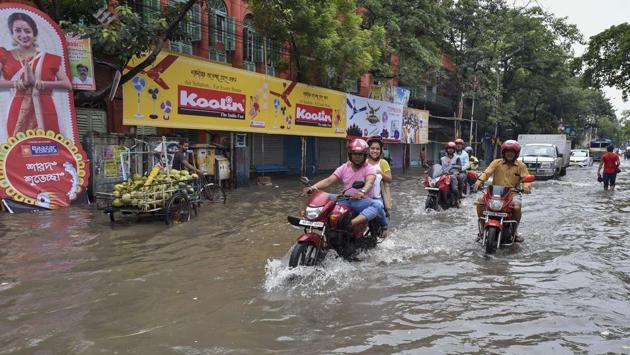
<point>37,110</point>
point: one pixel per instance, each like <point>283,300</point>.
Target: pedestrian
<point>610,162</point>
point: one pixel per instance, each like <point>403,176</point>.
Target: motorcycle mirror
<point>358,185</point>
<point>305,180</point>
<point>529,178</point>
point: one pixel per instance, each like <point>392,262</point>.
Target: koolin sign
<point>211,103</point>
<point>313,116</point>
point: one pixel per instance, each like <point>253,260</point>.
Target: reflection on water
<point>72,283</point>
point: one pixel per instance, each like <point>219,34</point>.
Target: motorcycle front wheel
<point>430,203</point>
<point>492,236</point>
<point>303,254</point>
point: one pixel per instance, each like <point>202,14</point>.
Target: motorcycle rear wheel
<point>492,236</point>
<point>303,254</point>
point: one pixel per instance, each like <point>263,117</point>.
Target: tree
<point>325,38</point>
<point>413,33</point>
<point>607,59</point>
<point>130,34</point>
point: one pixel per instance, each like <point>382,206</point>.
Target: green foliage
<point>131,34</point>
<point>327,43</point>
<point>606,62</point>
<point>413,31</point>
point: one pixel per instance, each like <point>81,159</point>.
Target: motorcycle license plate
<point>495,214</point>
<point>432,188</point>
<point>306,223</point>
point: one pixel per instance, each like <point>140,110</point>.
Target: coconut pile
<point>152,191</point>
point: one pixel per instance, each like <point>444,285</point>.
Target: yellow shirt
<point>384,165</point>
<point>504,173</point>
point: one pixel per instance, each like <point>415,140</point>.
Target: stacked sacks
<point>147,192</point>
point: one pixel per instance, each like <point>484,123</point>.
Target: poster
<point>41,162</point>
<point>415,126</point>
<point>81,66</point>
<point>389,93</point>
<point>184,92</point>
<point>368,117</point>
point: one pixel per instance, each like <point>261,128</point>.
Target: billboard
<point>184,92</point>
<point>415,126</point>
<point>368,117</point>
<point>41,161</point>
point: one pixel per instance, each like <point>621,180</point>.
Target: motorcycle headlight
<point>313,212</point>
<point>495,205</point>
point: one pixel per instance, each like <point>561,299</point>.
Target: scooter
<point>438,185</point>
<point>327,226</point>
<point>497,226</point>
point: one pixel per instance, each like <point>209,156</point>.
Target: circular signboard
<point>42,168</point>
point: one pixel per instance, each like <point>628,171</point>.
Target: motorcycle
<point>497,226</point>
<point>327,226</point>
<point>471,179</point>
<point>438,185</point>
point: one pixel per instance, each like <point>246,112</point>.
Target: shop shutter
<point>414,154</point>
<point>268,149</point>
<point>329,153</point>
<point>91,120</point>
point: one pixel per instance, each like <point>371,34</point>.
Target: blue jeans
<point>369,207</point>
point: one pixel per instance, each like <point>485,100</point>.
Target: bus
<point>598,148</point>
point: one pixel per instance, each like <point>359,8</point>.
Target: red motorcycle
<point>471,179</point>
<point>497,226</point>
<point>438,185</point>
<point>327,226</point>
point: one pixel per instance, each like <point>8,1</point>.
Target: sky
<point>592,17</point>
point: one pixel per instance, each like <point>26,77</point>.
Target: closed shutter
<point>268,149</point>
<point>414,154</point>
<point>91,120</point>
<point>329,153</point>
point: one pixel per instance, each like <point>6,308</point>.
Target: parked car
<point>580,157</point>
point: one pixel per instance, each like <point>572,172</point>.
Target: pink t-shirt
<point>348,175</point>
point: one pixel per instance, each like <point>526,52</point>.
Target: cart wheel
<point>213,193</point>
<point>195,208</point>
<point>177,209</point>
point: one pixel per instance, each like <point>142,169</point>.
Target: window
<point>191,25</point>
<point>151,10</point>
<point>272,54</point>
<point>248,43</point>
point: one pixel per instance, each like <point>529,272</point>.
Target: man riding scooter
<point>451,164</point>
<point>357,168</point>
<point>508,172</point>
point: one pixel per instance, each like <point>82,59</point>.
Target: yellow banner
<point>184,92</point>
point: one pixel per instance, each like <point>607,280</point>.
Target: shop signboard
<point>368,117</point>
<point>415,126</point>
<point>41,161</point>
<point>184,92</point>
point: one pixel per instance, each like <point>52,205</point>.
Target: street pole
<point>472,121</point>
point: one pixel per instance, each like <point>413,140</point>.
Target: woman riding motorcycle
<point>383,172</point>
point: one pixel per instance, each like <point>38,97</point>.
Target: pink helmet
<point>358,146</point>
<point>450,145</point>
<point>459,141</point>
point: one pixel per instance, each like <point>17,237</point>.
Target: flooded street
<point>71,283</point>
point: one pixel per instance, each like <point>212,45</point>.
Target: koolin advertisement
<point>183,92</point>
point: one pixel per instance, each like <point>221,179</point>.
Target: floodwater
<point>71,283</point>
